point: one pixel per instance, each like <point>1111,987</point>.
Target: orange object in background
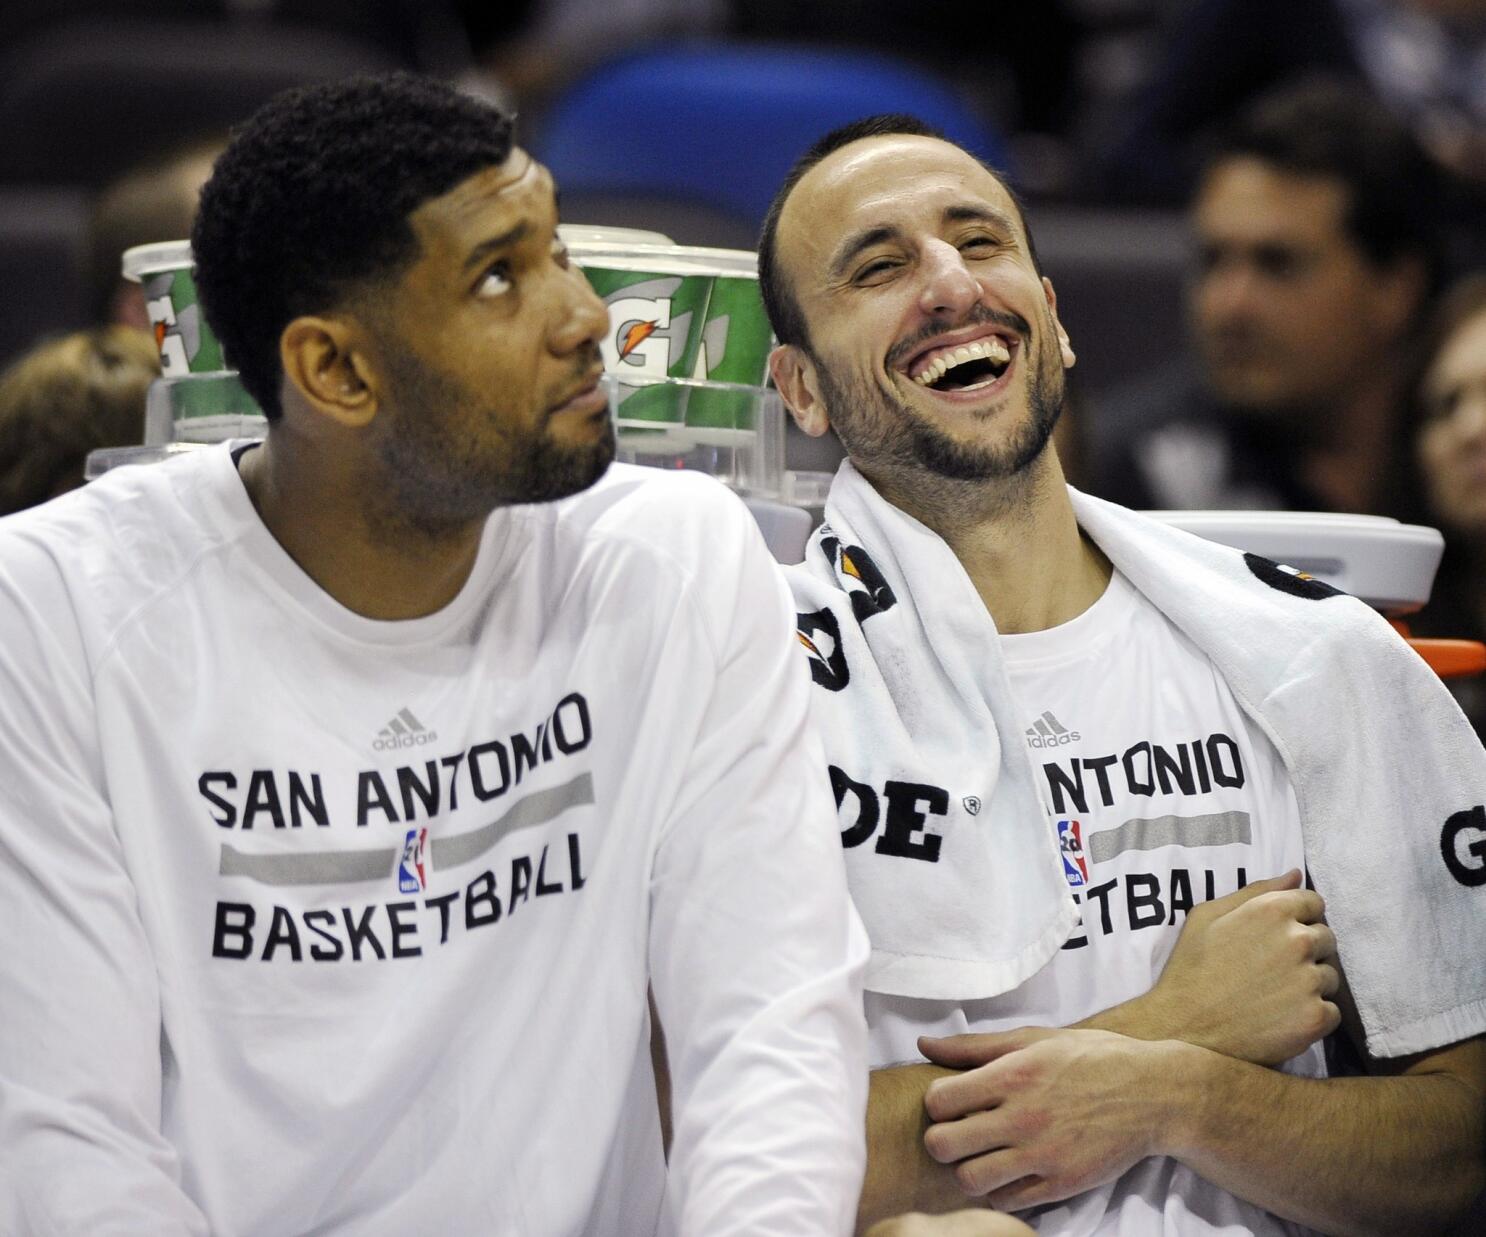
<point>1450,659</point>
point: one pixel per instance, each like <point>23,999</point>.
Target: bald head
<point>789,215</point>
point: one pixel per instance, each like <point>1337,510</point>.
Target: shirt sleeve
<point>80,1027</point>
<point>756,952</point>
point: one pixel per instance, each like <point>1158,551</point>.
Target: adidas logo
<point>1048,731</point>
<point>404,730</point>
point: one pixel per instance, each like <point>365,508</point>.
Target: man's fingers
<point>1331,1018</point>
<point>1304,905</point>
<point>980,1175</point>
<point>1028,1192</point>
<point>1232,901</point>
<point>974,1134</point>
<point>1331,980</point>
<point>1323,943</point>
<point>974,1091</point>
<point>968,1051</point>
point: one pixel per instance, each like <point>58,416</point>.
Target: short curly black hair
<point>311,200</point>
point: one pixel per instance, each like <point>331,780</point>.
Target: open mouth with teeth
<point>968,367</point>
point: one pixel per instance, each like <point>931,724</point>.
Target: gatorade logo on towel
<point>869,590</point>
<point>1463,845</point>
<point>1288,580</point>
<point>821,636</point>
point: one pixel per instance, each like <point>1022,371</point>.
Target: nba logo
<point>410,874</point>
<point>1071,843</point>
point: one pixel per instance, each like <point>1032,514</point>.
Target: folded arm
<point>1041,1114</point>
<point>1251,976</point>
<point>1053,1113</point>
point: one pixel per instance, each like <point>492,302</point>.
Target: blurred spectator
<point>1425,59</point>
<point>64,399</point>
<point>1450,402</point>
<point>154,202</point>
<point>1316,253</point>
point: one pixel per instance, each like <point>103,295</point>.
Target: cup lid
<point>667,259</point>
<point>603,234</point>
<point>143,260</point>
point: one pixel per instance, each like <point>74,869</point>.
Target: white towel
<point>952,863</point>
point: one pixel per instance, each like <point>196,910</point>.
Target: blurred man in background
<point>1316,252</point>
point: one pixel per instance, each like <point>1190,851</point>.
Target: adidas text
<point>406,740</point>
<point>1054,740</point>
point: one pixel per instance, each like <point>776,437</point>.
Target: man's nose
<point>1228,290</point>
<point>586,318</point>
<point>949,288</point>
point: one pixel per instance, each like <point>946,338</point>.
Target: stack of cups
<point>196,398</point>
<point>687,358</point>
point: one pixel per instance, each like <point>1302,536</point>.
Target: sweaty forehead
<point>898,181</point>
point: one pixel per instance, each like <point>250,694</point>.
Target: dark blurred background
<point>681,116</point>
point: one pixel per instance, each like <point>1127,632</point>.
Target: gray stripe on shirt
<point>1214,829</point>
<point>343,867</point>
<point>536,809</point>
<point>321,867</point>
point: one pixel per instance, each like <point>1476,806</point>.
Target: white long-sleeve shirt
<point>314,923</point>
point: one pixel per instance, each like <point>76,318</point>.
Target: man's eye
<point>875,269</point>
<point>1441,407</point>
<point>1278,263</point>
<point>497,282</point>
<point>978,244</point>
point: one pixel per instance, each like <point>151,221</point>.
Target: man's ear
<point>325,360</point>
<point>794,374</point>
<point>1064,345</point>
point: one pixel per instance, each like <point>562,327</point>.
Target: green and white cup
<point>657,307</point>
<point>196,398</point>
<point>186,342</point>
<point>680,312</point>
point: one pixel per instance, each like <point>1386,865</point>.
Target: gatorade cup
<point>186,342</point>
<point>735,345</point>
<point>196,398</point>
<point>656,307</point>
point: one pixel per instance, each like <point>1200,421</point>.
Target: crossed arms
<point>1034,1115</point>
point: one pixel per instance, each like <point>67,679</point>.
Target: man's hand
<point>955,1224</point>
<point>1043,1115</point>
<point>1252,977</point>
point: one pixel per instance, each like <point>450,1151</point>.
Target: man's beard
<point>880,431</point>
<point>445,468</point>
